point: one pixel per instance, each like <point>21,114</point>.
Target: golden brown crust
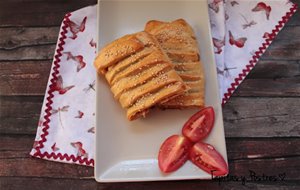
<point>178,41</point>
<point>151,100</point>
<point>140,74</point>
<point>116,51</point>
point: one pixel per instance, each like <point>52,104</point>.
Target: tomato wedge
<point>206,157</point>
<point>199,125</point>
<point>173,153</point>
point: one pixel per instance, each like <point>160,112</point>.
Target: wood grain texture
<point>51,12</point>
<point>26,42</point>
<point>18,166</point>
<point>34,52</point>
<point>12,38</point>
<point>270,87</point>
<point>262,117</point>
<point>295,20</point>
<point>38,12</point>
<point>88,184</point>
<point>30,44</point>
<point>238,148</point>
<point>19,115</point>
<point>24,77</point>
<point>259,148</point>
<point>276,69</point>
<point>268,78</point>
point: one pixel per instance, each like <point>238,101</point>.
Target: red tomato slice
<point>206,157</point>
<point>199,125</point>
<point>173,153</point>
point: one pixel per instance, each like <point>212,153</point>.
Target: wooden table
<point>262,119</point>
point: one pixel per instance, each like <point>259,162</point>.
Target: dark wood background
<point>263,136</point>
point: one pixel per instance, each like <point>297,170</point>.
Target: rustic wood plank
<point>38,12</point>
<point>276,69</point>
<point>289,32</point>
<point>18,36</point>
<point>295,20</point>
<point>281,53</point>
<point>19,115</point>
<point>290,167</point>
<point>243,116</point>
<point>35,52</point>
<point>254,148</point>
<point>278,160</point>
<point>269,87</point>
<point>24,77</point>
<point>49,13</point>
<point>9,183</point>
<point>36,167</point>
<point>25,43</point>
<point>18,146</point>
<point>27,36</point>
<point>272,78</point>
<point>286,45</point>
<point>280,78</point>
<point>40,168</point>
<point>36,43</point>
<point>16,142</point>
<point>262,117</point>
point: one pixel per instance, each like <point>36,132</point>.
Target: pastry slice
<point>178,41</point>
<point>139,73</point>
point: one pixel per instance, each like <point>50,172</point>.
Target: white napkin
<point>241,30</point>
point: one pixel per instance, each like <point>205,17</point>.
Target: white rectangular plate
<point>127,151</point>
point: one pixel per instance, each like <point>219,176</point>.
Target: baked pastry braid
<point>178,41</point>
<point>139,73</point>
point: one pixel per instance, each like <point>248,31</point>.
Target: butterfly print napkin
<point>241,30</point>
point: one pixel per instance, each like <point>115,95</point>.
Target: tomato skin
<point>173,153</point>
<point>207,158</point>
<point>199,125</point>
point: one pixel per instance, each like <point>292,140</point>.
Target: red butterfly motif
<point>215,5</point>
<point>92,43</point>
<point>78,60</point>
<point>75,28</point>
<point>80,150</point>
<point>234,3</point>
<point>54,148</point>
<point>240,42</point>
<point>91,130</point>
<point>263,7</point>
<point>80,114</point>
<point>218,44</point>
<point>266,35</point>
<point>58,86</point>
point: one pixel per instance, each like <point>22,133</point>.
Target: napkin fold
<point>241,30</point>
